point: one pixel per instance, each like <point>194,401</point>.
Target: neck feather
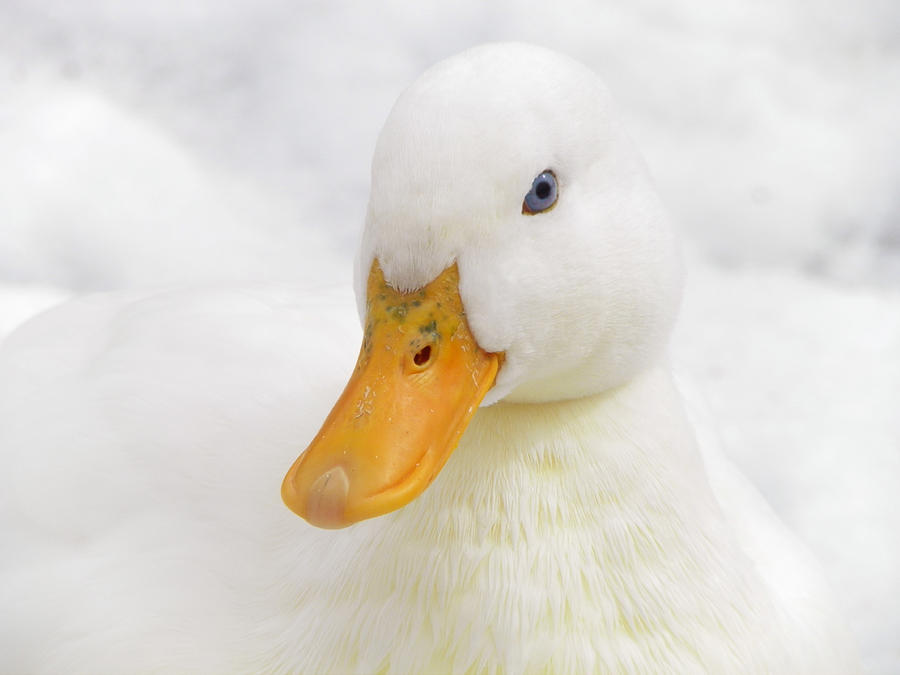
<point>588,525</point>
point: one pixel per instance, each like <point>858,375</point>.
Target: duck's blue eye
<point>542,195</point>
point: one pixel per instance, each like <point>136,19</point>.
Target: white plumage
<point>577,528</point>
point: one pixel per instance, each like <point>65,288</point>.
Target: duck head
<point>514,249</point>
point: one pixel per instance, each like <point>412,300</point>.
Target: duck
<point>509,482</point>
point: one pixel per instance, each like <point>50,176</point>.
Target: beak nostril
<point>423,356</point>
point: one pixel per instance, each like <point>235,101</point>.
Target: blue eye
<point>542,195</point>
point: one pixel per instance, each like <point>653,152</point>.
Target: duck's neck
<point>623,464</point>
<point>587,525</point>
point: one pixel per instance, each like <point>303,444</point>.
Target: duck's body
<point>577,528</point>
<point>580,536</point>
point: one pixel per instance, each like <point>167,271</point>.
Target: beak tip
<point>327,499</point>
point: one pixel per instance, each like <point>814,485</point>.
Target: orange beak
<point>418,381</point>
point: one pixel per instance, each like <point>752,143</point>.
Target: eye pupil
<point>543,194</point>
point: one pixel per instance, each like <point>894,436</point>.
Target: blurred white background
<point>148,144</point>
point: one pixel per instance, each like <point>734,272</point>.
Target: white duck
<point>576,528</point>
